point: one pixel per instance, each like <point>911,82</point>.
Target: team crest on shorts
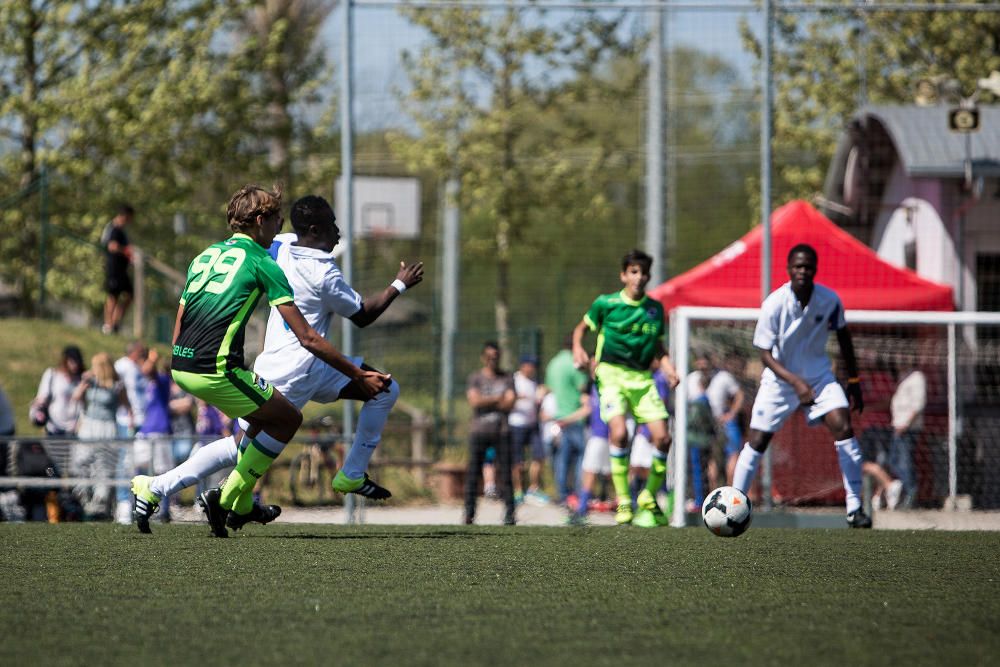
<point>261,382</point>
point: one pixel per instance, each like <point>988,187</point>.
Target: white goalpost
<point>958,351</point>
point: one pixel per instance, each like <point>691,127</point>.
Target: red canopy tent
<point>862,279</point>
<point>805,463</point>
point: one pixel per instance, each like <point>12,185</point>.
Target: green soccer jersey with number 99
<point>223,286</point>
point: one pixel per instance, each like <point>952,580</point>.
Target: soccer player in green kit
<point>630,326</point>
<point>224,283</point>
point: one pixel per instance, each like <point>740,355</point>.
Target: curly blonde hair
<point>250,201</point>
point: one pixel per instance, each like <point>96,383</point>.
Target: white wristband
<point>399,285</point>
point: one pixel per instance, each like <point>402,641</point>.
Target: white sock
<point>746,467</point>
<point>209,459</point>
<point>269,444</point>
<point>849,454</point>
<point>371,421</point>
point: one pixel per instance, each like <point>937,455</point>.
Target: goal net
<point>949,457</point>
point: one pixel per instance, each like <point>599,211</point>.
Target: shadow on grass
<point>436,535</point>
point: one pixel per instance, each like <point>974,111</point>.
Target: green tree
<point>286,69</point>
<point>487,112</point>
<point>120,101</point>
<point>827,64</point>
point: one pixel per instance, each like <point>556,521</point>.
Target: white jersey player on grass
<point>791,334</point>
<point>320,293</point>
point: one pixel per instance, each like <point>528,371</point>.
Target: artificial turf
<point>373,595</point>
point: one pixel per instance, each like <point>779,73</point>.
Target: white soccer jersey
<point>797,336</point>
<point>320,292</point>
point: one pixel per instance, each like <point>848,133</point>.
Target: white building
<point>923,196</point>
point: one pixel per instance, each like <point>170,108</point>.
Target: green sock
<point>244,503</point>
<point>619,475</point>
<point>657,473</point>
<point>251,466</point>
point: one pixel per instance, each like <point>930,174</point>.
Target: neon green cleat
<point>147,503</point>
<point>645,519</point>
<point>647,502</point>
<point>624,515</point>
<point>363,487</point>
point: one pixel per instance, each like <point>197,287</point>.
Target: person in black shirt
<point>118,255</point>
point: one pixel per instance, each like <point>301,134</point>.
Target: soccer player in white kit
<point>791,335</point>
<point>320,292</point>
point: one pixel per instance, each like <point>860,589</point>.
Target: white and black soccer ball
<point>727,511</point>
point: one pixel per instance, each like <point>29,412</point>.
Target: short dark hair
<point>805,249</point>
<point>491,345</point>
<point>126,209</point>
<point>311,210</point>
<point>636,256</point>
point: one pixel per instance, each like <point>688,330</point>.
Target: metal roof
<point>927,147</point>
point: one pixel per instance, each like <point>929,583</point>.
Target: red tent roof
<point>862,279</point>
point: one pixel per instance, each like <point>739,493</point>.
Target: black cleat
<point>262,514</point>
<point>858,519</point>
<point>146,503</point>
<point>209,501</point>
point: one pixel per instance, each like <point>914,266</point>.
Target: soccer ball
<point>727,511</point>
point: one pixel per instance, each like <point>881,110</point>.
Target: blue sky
<point>381,35</point>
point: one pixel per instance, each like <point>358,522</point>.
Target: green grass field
<point>320,594</point>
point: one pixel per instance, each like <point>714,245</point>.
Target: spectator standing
<point>54,407</point>
<point>907,407</point>
<point>726,398</point>
<point>491,395</point>
<point>152,450</point>
<point>568,383</point>
<point>6,430</point>
<point>875,425</point>
<point>129,370</point>
<point>547,424</point>
<point>118,256</point>
<point>6,421</point>
<point>181,422</point>
<point>101,393</point>
<point>700,436</point>
<point>596,458</point>
<point>526,439</point>
<point>697,383</point>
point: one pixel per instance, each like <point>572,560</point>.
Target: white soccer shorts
<point>321,384</point>
<point>776,401</point>
<point>642,452</point>
<point>597,456</point>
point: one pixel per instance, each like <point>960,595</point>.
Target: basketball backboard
<point>383,207</point>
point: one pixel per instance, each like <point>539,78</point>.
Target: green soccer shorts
<point>237,392</point>
<point>626,390</point>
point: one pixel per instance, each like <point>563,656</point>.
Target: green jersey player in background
<point>224,284</point>
<point>629,326</point>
